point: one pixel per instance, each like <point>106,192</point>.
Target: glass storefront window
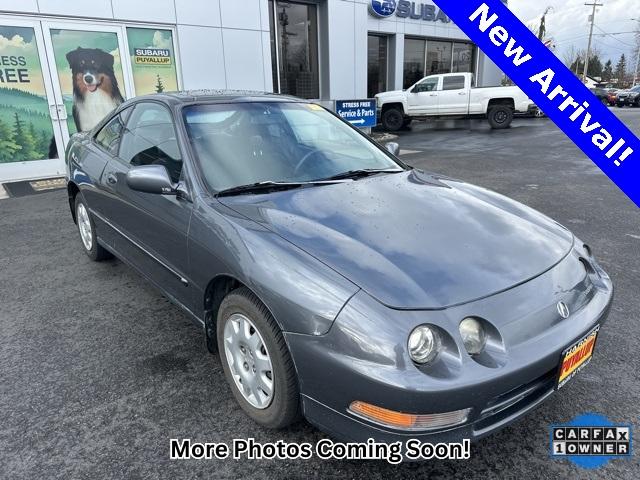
<point>413,61</point>
<point>153,60</point>
<point>294,48</point>
<point>25,125</point>
<point>377,64</point>
<point>438,57</point>
<point>462,58</point>
<point>441,57</point>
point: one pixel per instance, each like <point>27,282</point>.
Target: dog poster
<point>152,60</point>
<point>90,73</point>
<point>25,125</point>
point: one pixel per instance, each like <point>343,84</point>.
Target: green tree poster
<point>24,111</point>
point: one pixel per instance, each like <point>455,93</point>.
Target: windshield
<point>245,143</point>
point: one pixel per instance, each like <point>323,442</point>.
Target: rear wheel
<point>87,230</point>
<point>392,119</point>
<point>256,360</point>
<point>500,117</point>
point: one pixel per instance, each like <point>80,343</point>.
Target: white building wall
<point>222,43</point>
<point>226,43</point>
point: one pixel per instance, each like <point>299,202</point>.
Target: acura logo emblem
<point>563,310</point>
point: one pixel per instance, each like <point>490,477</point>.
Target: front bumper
<point>349,363</point>
<point>629,101</point>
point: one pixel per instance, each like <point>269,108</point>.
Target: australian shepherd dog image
<point>95,87</point>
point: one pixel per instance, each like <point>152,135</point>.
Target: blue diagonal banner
<point>555,89</point>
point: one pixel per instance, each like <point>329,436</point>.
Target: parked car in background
<point>602,95</point>
<point>629,98</point>
<point>612,96</point>
<point>451,96</point>
<point>335,282</point>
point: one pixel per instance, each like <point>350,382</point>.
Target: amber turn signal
<point>408,421</point>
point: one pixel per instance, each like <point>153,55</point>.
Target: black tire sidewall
<point>284,407</point>
<point>497,125</point>
<point>392,113</point>
<point>93,254</point>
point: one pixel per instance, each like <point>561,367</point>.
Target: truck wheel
<point>392,119</point>
<point>500,117</point>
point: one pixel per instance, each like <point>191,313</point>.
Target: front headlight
<point>473,335</point>
<point>424,344</point>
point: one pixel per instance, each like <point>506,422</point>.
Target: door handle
<point>112,179</point>
<point>433,95</point>
<point>58,112</point>
<point>462,93</point>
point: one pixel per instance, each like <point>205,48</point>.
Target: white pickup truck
<point>451,95</point>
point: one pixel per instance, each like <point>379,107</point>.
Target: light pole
<point>635,73</point>
<point>595,5</point>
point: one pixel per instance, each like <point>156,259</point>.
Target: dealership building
<point>65,62</point>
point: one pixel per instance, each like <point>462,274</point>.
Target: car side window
<point>109,136</point>
<point>453,83</point>
<point>428,85</point>
<point>150,139</point>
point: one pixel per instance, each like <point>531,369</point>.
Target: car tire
<point>500,117</point>
<point>87,232</point>
<point>263,345</point>
<point>620,105</point>
<point>392,119</point>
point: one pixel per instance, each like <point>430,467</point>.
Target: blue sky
<point>568,24</point>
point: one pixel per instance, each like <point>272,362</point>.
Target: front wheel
<point>500,117</point>
<point>392,119</point>
<point>87,230</point>
<point>256,360</point>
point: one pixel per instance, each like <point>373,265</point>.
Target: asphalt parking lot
<point>98,371</point>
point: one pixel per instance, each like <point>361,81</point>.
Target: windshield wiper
<point>363,172</point>
<point>268,186</point>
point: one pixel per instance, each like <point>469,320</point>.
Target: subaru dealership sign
<point>383,8</point>
<point>406,9</point>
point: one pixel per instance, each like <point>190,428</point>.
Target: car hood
<point>391,93</point>
<point>413,240</point>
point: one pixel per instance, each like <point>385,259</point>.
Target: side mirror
<point>393,148</point>
<point>151,179</point>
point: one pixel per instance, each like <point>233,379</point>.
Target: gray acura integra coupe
<point>377,300</point>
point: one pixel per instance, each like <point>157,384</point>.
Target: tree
<point>607,71</point>
<point>595,64</point>
<point>570,56</point>
<point>8,146</point>
<point>621,69</point>
<point>24,140</point>
<point>159,85</point>
<point>542,30</point>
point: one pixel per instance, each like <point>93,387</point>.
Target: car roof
<point>218,96</point>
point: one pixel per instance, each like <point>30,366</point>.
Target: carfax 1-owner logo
<point>591,441</point>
